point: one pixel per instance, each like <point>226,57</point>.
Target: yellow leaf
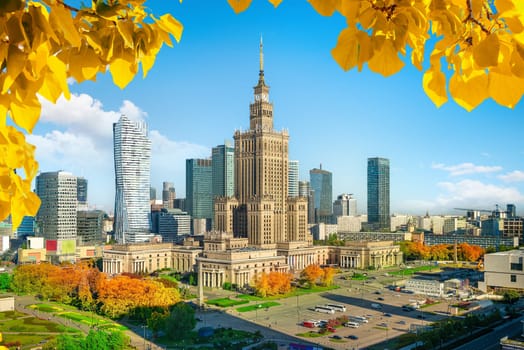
<point>126,30</point>
<point>4,107</point>
<point>15,64</point>
<point>486,53</point>
<point>349,9</point>
<point>275,2</point>
<point>84,64</point>
<point>506,90</point>
<point>60,71</point>
<point>386,61</point>
<point>123,71</point>
<point>239,5</point>
<point>61,18</point>
<point>50,89</point>
<point>324,7</point>
<point>346,51</point>
<point>171,25</point>
<point>147,63</point>
<point>353,48</point>
<point>26,204</point>
<point>469,92</point>
<point>25,113</point>
<point>434,84</point>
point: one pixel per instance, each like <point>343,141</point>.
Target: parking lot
<point>385,323</point>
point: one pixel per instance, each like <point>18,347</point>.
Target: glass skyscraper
<point>132,150</point>
<point>199,191</point>
<point>292,175</point>
<point>322,184</point>
<point>223,163</point>
<point>378,192</point>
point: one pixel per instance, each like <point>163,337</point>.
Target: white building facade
<point>56,216</point>
<point>132,152</point>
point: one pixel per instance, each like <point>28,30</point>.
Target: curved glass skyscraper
<point>132,150</point>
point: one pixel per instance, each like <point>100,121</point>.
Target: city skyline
<point>442,158</point>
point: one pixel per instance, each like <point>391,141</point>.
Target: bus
<point>324,309</point>
<point>360,319</point>
<point>337,307</point>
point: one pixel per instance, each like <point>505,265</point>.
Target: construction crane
<point>494,214</point>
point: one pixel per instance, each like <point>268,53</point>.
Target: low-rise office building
<point>503,270</point>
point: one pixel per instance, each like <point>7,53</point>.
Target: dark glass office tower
<point>378,192</point>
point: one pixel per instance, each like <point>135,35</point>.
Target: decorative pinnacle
<point>261,55</point>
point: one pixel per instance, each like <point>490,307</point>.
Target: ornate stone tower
<point>261,179</point>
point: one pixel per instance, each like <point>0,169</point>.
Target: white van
<point>352,324</point>
<point>376,306</point>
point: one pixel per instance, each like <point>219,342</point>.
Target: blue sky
<point>198,94</point>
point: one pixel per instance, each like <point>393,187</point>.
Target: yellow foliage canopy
<point>43,44</point>
<point>482,42</point>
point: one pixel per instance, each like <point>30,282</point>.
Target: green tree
<point>180,322</point>
<point>5,281</point>
<point>511,297</point>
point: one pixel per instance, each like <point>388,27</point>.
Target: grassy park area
<point>26,331</point>
<point>254,307</point>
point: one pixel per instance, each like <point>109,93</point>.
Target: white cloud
<point>473,194</point>
<point>81,142</point>
<point>514,176</point>
<point>466,168</point>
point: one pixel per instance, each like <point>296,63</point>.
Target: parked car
<point>352,336</point>
<point>387,314</point>
<point>380,298</point>
<point>336,336</point>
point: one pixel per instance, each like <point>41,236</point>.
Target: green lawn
<point>7,315</point>
<point>293,293</point>
<point>92,320</point>
<point>35,325</point>
<point>310,334</point>
<point>225,302</point>
<point>46,308</point>
<point>260,306</point>
<point>409,272</point>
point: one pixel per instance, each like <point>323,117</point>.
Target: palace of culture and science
<point>259,229</point>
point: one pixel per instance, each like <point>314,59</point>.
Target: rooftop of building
<point>515,252</point>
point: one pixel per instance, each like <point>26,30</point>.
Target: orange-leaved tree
<point>311,274</point>
<point>272,283</point>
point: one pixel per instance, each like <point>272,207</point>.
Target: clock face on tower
<point>265,97</point>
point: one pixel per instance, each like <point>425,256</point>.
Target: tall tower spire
<point>261,55</point>
<point>261,73</point>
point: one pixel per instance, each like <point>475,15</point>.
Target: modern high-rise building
<point>168,195</point>
<point>152,193</point>
<point>378,192</point>
<point>304,190</point>
<point>345,205</point>
<point>90,226</point>
<point>261,210</point>
<point>199,189</point>
<point>322,183</point>
<point>511,210</point>
<point>132,149</point>
<point>81,191</point>
<point>180,203</point>
<point>56,218</point>
<point>223,163</point>
<point>174,225</point>
<point>293,174</point>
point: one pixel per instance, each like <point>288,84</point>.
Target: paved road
<point>491,341</point>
